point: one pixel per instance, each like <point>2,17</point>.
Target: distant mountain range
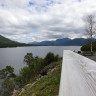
<point>5,42</point>
<point>64,41</point>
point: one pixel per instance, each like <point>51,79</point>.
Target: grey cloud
<point>24,23</point>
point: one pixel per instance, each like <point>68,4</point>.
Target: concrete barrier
<point>78,76</point>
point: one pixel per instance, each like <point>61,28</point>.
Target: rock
<point>49,71</point>
<point>51,66</point>
<point>15,93</point>
<point>22,91</point>
<point>28,86</point>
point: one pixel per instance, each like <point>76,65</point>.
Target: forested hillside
<point>5,42</point>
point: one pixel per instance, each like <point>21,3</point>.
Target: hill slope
<point>5,42</point>
<point>46,86</point>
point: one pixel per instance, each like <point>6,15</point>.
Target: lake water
<point>15,56</point>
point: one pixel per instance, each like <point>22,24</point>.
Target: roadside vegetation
<point>86,48</point>
<point>46,86</point>
<point>35,67</point>
<point>90,31</point>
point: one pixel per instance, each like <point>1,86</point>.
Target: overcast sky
<point>38,20</point>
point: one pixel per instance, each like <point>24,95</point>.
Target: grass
<point>47,86</point>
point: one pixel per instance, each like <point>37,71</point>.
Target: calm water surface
<point>15,56</point>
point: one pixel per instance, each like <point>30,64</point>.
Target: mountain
<point>51,43</point>
<point>64,41</point>
<point>5,42</point>
<point>77,41</point>
<point>43,43</point>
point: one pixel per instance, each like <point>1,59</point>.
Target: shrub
<point>19,81</point>
<point>39,65</point>
<point>25,73</point>
<point>56,58</point>
<point>23,77</point>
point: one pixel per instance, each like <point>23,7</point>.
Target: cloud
<point>38,20</point>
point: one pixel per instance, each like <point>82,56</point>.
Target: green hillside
<point>46,86</point>
<point>5,42</point>
<point>87,47</point>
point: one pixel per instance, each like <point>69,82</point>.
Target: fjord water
<point>15,56</point>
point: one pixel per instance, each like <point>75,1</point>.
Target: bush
<point>39,65</point>
<point>25,74</point>
<point>31,71</point>
<point>56,58</point>
<point>23,77</point>
<point>19,81</point>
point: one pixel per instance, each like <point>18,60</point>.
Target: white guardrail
<point>78,76</point>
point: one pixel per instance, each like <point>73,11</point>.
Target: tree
<point>29,58</point>
<point>8,72</point>
<point>49,58</point>
<point>7,87</point>
<point>91,29</point>
<point>7,75</point>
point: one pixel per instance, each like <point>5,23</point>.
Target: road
<point>78,76</point>
<point>92,57</point>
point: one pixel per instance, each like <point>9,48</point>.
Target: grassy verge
<point>47,86</point>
